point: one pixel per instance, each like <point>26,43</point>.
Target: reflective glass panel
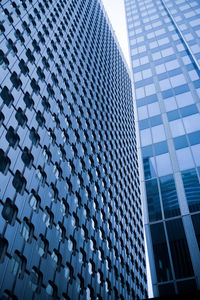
<point>179,249</point>
<point>160,251</point>
<point>196,224</point>
<point>153,200</point>
<point>164,166</point>
<point>180,142</point>
<point>169,196</point>
<point>149,167</point>
<point>192,189</point>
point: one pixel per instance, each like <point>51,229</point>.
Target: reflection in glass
<point>169,196</point>
<point>164,165</point>
<point>160,251</point>
<point>149,167</point>
<point>196,224</point>
<point>179,249</point>
<point>192,189</point>
<point>153,200</point>
<point>185,159</point>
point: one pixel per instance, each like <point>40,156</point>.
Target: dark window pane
<point>192,189</point>
<point>187,286</point>
<point>169,196</point>
<point>153,200</point>
<point>179,249</point>
<point>161,256</point>
<point>166,289</point>
<point>196,224</point>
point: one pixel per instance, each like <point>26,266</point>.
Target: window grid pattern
<point>167,86</point>
<point>71,219</point>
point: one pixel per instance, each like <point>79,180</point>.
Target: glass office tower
<point>164,39</point>
<point>70,208</point>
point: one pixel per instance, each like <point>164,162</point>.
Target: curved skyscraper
<point>70,208</point>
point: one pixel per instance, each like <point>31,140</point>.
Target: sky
<point>116,13</point>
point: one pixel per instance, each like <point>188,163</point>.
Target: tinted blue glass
<point>192,189</point>
<point>194,138</point>
<point>141,102</point>
<point>153,200</point>
<point>181,89</point>
<point>147,151</point>
<point>196,84</point>
<point>179,249</point>
<point>188,110</point>
<point>169,196</point>
<point>167,94</point>
<point>196,224</point>
<point>160,251</point>
<point>160,148</point>
<point>143,124</point>
<point>175,72</point>
<point>149,167</point>
<point>152,99</point>
<point>157,120</point>
<point>173,115</point>
<point>180,142</point>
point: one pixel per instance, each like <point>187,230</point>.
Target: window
<point>164,84</point>
<point>177,80</point>
<point>184,99</point>
<point>153,200</point>
<point>142,112</point>
<point>169,196</point>
<point>160,251</point>
<point>192,123</point>
<point>164,165</point>
<point>180,142</point>
<point>158,133</point>
<point>154,109</point>
<point>146,137</point>
<point>184,163</point>
<point>179,249</point>
<point>196,224</point>
<point>150,89</point>
<point>170,104</point>
<point>171,65</point>
<point>177,128</point>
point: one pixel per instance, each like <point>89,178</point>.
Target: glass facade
<point>70,209</point>
<point>164,40</point>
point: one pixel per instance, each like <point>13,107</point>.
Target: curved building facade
<point>70,208</point>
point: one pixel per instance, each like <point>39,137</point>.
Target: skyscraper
<point>70,208</point>
<point>164,39</point>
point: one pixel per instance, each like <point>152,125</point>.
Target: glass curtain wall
<point>164,40</point>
